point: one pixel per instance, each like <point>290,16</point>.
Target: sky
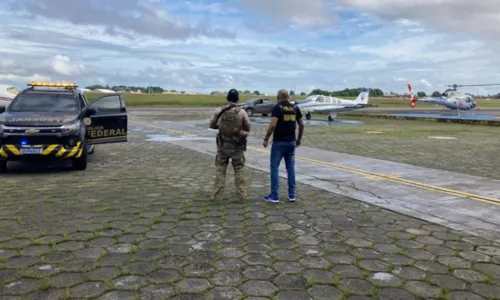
<point>264,45</point>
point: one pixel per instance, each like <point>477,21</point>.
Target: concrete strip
<point>460,182</point>
<point>447,209</point>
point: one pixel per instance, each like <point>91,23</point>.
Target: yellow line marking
<point>396,179</point>
<point>2,153</point>
<point>376,175</point>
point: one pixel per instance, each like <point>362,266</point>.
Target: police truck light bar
<point>53,84</point>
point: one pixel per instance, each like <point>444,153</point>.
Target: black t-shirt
<point>287,115</point>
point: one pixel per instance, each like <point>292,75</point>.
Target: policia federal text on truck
<point>55,121</point>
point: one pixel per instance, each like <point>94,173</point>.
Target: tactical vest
<point>229,127</point>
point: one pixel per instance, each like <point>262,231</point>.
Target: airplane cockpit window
<point>320,99</point>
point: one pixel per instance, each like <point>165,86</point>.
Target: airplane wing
<point>333,108</point>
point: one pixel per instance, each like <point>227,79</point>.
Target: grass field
<point>447,146</point>
<point>211,101</point>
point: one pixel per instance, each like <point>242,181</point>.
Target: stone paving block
<point>137,226</point>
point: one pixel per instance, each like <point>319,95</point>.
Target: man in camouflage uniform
<point>234,125</point>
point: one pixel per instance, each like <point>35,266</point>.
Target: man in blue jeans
<point>283,124</point>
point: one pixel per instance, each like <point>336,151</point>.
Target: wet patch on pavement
<point>266,121</point>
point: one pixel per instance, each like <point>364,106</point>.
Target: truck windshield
<point>44,102</point>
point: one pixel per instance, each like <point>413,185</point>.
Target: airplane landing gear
<point>308,116</point>
<point>330,118</point>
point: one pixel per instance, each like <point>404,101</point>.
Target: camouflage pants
<point>221,161</point>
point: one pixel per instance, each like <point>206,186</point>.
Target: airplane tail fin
<point>413,97</point>
<point>363,96</point>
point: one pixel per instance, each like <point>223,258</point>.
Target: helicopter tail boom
<point>413,97</point>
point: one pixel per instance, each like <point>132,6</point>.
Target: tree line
<point>354,92</point>
<point>159,90</point>
<point>142,89</point>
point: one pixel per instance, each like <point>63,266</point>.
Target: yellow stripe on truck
<point>49,149</point>
<point>79,153</point>
<point>61,152</point>
<point>74,150</point>
<point>13,149</point>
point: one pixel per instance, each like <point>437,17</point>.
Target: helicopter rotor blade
<point>461,85</point>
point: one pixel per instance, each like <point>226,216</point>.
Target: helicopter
<point>450,98</point>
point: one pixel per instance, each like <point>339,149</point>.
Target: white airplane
<point>331,105</point>
<point>7,93</point>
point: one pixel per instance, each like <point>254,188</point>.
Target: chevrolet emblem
<point>32,131</point>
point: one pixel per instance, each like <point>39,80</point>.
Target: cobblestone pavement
<point>138,224</point>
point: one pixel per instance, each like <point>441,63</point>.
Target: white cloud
<point>455,16</point>
<point>428,48</point>
<point>299,12</point>
<point>212,8</point>
<point>139,17</point>
<point>251,44</point>
<point>63,66</point>
<point>16,78</point>
<point>425,82</point>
